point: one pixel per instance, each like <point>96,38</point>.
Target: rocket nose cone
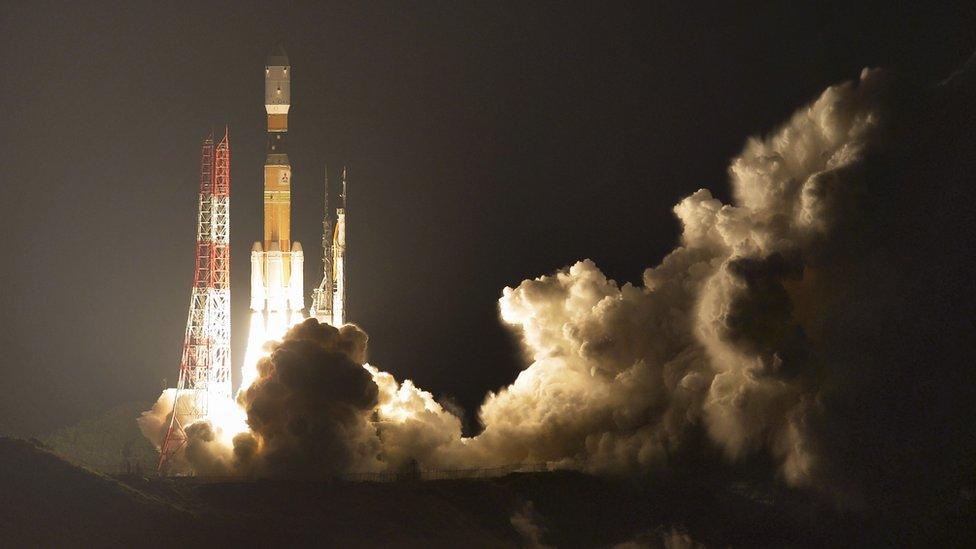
<point>296,246</point>
<point>256,247</point>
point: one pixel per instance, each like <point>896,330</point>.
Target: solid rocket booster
<point>276,266</point>
<point>296,301</point>
<point>257,278</point>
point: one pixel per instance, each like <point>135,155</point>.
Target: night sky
<point>486,143</point>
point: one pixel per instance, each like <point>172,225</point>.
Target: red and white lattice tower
<point>205,363</point>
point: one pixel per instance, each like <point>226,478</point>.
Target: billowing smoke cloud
<point>154,422</point>
<point>309,409</point>
<point>789,325</point>
<point>207,450</point>
<point>778,318</point>
<point>526,523</point>
<point>315,410</point>
<point>617,376</point>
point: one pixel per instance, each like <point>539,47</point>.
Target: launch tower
<point>205,363</point>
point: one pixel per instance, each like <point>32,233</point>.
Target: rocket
<point>339,257</point>
<point>329,298</point>
<point>277,262</point>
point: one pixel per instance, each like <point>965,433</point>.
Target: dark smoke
<point>308,411</point>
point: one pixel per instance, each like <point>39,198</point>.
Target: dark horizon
<point>486,144</point>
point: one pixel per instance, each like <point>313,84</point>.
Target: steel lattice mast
<point>322,296</point>
<point>218,303</point>
<point>329,299</point>
<point>205,362</point>
<point>339,303</point>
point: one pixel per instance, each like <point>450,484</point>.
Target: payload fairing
<point>277,266</point>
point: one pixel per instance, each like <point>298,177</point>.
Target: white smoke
<point>154,423</point>
<point>209,439</point>
<point>622,375</point>
<point>526,523</point>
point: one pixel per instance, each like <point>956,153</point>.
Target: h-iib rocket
<point>277,263</point>
<point>329,299</point>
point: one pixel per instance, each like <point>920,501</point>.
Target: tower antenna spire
<point>329,299</point>
<point>339,305</point>
<point>322,296</point>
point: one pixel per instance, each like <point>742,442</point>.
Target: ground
<point>49,501</point>
<point>109,442</point>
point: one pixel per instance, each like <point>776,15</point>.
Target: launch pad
<point>277,270</point>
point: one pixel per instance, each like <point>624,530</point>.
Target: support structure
<point>218,291</point>
<point>205,362</point>
<point>339,257</point>
<point>329,299</point>
<point>322,296</point>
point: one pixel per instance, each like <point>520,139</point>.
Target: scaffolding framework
<point>329,298</point>
<point>218,302</point>
<point>205,361</point>
<point>323,295</point>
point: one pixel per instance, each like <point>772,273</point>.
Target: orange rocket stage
<point>277,262</point>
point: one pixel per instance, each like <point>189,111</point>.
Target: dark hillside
<point>46,501</point>
<point>109,442</point>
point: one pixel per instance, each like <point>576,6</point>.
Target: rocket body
<point>277,261</point>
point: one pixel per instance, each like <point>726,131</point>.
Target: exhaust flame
<point>262,330</point>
